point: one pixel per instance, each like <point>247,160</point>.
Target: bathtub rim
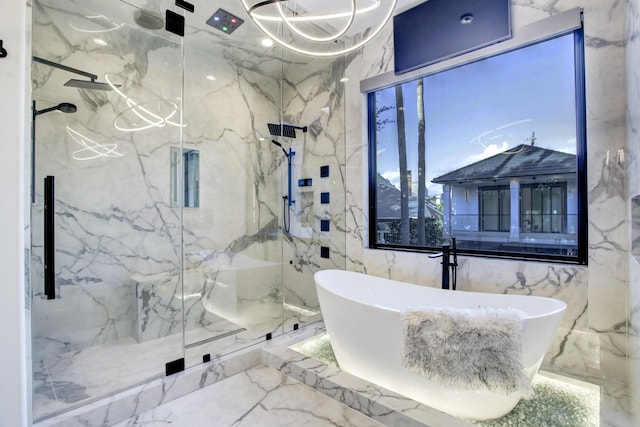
<point>559,306</point>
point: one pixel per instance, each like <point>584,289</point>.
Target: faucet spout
<point>449,265</point>
<point>454,265</point>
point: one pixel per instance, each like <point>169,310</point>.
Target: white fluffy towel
<point>468,348</point>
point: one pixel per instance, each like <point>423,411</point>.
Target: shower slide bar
<point>49,238</point>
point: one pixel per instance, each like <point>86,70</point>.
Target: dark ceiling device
<point>81,84</point>
<point>288,131</point>
<point>186,5</point>
<point>441,29</point>
<point>224,21</point>
<point>174,23</point>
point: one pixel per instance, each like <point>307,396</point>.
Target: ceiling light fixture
<point>151,118</point>
<point>90,149</point>
<point>266,42</point>
<point>98,21</point>
<point>467,18</point>
<point>303,26</point>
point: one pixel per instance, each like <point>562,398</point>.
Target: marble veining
<point>632,31</point>
<point>260,396</point>
<point>591,340</point>
<point>382,405</point>
<point>199,395</point>
<point>132,270</point>
<point>96,267</point>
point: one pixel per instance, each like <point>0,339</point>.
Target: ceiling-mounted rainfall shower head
<point>87,84</point>
<point>81,84</point>
<point>288,131</point>
<point>147,19</point>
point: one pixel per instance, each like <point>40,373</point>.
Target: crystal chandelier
<point>320,28</point>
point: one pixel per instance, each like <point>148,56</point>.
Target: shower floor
<point>73,378</point>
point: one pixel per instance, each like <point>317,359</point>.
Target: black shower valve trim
<point>3,51</point>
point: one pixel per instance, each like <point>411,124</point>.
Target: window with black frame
<point>491,152</point>
<point>495,209</point>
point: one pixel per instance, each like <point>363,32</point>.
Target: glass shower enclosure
<point>157,214</point>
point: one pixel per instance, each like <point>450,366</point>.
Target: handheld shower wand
<point>65,107</point>
<point>287,131</point>
<point>287,200</point>
<point>273,141</point>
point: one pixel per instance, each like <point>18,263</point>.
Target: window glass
<point>486,152</point>
<point>495,211</point>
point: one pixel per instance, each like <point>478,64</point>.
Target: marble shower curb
<point>129,403</point>
<point>132,402</point>
<point>380,404</point>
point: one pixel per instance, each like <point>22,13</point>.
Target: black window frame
<point>581,256</point>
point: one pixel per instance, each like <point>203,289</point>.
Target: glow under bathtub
<point>362,314</point>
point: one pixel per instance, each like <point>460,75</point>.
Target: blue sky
<point>478,110</point>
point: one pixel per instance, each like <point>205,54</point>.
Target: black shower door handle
<point>49,238</point>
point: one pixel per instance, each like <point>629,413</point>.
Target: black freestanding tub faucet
<point>449,281</point>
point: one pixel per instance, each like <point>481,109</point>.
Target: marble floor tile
<point>67,379</point>
<point>578,401</point>
<point>260,396</point>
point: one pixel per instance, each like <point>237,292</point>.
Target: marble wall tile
<point>632,36</point>
<point>121,243</point>
<point>595,323</point>
<point>589,340</point>
<point>128,227</point>
<point>314,97</point>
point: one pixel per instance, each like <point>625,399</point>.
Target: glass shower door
<point>110,253</point>
<point>232,248</point>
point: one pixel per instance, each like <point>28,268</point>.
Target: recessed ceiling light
<point>467,18</point>
<point>210,77</point>
<point>344,79</point>
<point>266,42</point>
<point>100,42</point>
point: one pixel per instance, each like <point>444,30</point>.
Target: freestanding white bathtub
<point>362,314</point>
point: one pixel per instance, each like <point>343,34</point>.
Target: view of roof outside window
<point>497,139</point>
